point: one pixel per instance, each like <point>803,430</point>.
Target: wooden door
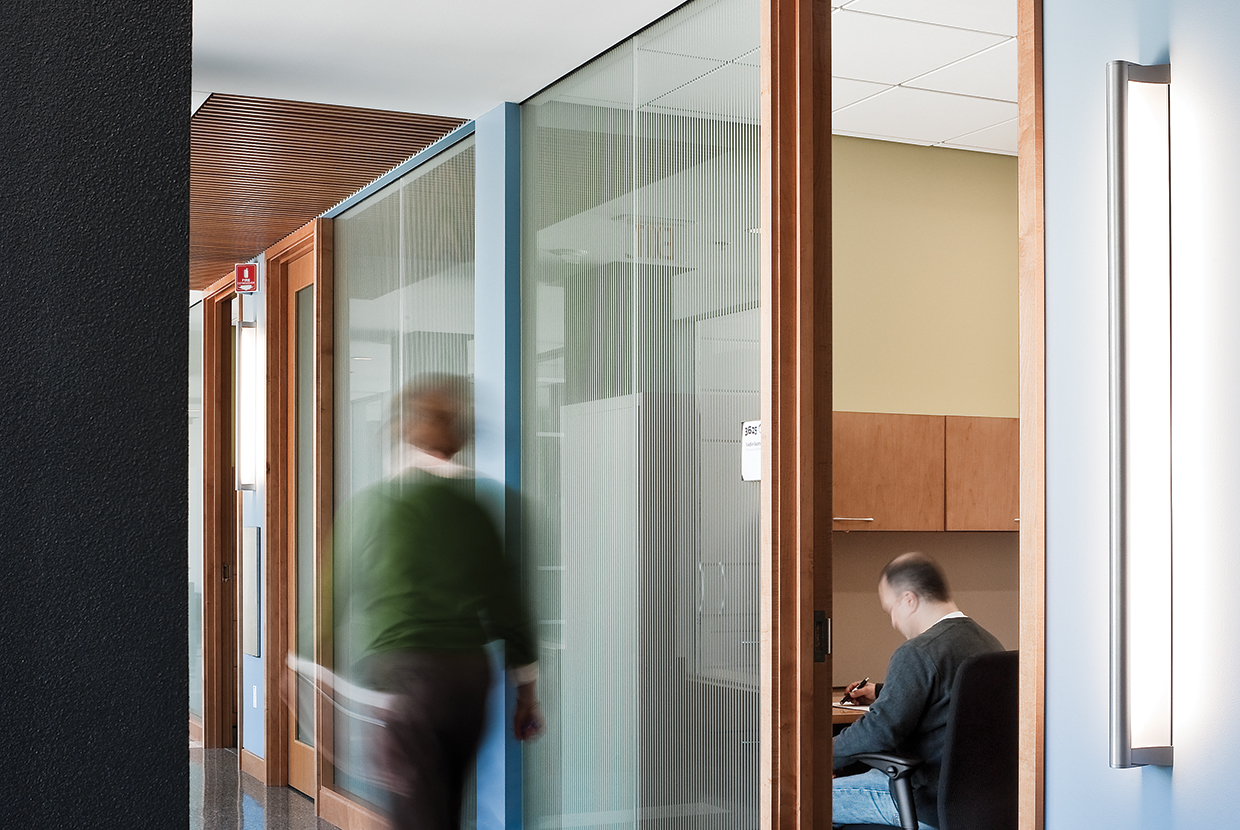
<point>888,471</point>
<point>221,637</point>
<point>298,506</point>
<point>982,473</point>
<point>300,534</point>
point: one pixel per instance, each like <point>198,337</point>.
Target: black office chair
<point>977,782</point>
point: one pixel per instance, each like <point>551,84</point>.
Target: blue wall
<point>1199,37</point>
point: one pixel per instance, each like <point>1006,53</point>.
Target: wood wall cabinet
<point>888,471</point>
<point>925,472</point>
<point>983,473</point>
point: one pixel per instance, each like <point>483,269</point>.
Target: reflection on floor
<point>221,797</point>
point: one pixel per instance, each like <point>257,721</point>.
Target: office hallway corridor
<point>222,798</point>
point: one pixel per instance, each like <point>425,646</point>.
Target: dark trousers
<point>423,754</point>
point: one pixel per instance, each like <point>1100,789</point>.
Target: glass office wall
<point>195,511</point>
<point>404,305</point>
<point>640,300</point>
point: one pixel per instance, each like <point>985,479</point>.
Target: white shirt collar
<point>413,458</point>
<point>952,616</point>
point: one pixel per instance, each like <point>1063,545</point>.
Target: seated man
<point>908,713</point>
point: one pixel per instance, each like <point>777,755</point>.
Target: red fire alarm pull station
<point>246,277</point>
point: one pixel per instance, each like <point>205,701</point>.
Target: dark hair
<point>918,573</point>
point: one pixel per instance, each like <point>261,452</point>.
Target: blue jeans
<point>865,799</point>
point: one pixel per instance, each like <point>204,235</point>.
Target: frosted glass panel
<point>404,269</point>
<point>640,305</point>
<point>195,510</point>
<point>304,555</point>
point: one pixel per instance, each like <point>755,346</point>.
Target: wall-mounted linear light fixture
<point>249,387</point>
<point>1139,178</point>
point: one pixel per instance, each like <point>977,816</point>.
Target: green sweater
<point>428,572</point>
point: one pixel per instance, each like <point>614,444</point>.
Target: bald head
<point>918,573</point>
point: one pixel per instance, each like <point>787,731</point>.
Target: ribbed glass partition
<point>640,303</point>
<point>404,271</point>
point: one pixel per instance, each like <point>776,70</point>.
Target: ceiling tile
<point>990,74</point>
<point>998,16</point>
<point>1001,138</point>
<point>866,47</point>
<point>845,91</point>
<point>918,115</point>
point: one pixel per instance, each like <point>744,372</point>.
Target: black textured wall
<point>94,236</point>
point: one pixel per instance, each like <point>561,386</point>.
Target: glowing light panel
<point>1141,475</point>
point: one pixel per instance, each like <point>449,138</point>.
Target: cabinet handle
<point>851,519</point>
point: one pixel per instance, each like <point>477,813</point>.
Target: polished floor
<point>221,797</point>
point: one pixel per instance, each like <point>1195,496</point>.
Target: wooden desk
<point>842,717</point>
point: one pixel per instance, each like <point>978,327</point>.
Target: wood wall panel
<point>1032,279</point>
<point>260,169</point>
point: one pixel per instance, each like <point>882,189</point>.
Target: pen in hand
<point>847,698</point>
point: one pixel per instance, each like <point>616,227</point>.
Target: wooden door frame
<point>314,239</point>
<point>796,381</point>
<point>1031,221</point>
<point>221,510</point>
<point>795,198</point>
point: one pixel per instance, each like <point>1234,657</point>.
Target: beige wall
<point>925,317</point>
<point>982,572</point>
<point>924,282</point>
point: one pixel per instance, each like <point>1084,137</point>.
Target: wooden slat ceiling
<point>260,169</point>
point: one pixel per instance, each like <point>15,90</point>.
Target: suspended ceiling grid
<point>262,168</point>
<point>932,72</point>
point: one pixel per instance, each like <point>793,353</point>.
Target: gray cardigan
<point>910,714</point>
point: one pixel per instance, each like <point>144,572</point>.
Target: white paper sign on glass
<point>751,451</point>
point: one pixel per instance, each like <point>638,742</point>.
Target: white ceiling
<point>450,57</point>
<point>934,72</point>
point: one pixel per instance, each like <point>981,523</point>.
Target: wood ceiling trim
<point>261,168</point>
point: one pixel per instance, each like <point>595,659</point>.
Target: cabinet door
<point>983,473</point>
<point>887,471</point>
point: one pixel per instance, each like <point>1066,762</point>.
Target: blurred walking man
<point>431,589</point>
